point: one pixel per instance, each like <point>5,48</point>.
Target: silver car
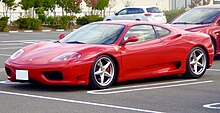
<point>139,13</point>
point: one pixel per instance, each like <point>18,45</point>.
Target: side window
<point>123,12</point>
<point>143,32</point>
<point>161,32</point>
<point>135,10</point>
<point>153,10</point>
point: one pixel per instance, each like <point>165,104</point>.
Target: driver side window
<point>123,12</point>
<point>143,32</point>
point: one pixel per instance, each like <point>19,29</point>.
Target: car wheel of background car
<point>196,63</point>
<point>103,73</point>
<point>108,20</point>
<point>138,20</point>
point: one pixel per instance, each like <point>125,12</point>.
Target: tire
<point>196,63</point>
<point>102,73</point>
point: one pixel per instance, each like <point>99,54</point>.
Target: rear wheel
<point>196,63</point>
<point>102,73</point>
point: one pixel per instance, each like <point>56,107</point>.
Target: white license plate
<point>21,74</point>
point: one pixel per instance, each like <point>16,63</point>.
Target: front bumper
<point>71,74</point>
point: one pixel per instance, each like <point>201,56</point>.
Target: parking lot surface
<point>171,94</point>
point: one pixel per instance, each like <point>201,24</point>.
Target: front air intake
<point>53,75</point>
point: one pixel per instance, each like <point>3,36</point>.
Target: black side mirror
<point>116,14</point>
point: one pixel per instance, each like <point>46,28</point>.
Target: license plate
<point>157,15</point>
<point>21,74</point>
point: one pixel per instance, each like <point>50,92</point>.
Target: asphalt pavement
<point>171,94</point>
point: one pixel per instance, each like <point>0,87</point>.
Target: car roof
<point>133,22</point>
<point>141,7</point>
<point>216,6</point>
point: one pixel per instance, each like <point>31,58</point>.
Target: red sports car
<point>205,19</point>
<point>101,53</point>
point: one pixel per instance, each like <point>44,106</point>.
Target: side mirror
<point>116,14</point>
<point>61,36</point>
<point>130,39</point>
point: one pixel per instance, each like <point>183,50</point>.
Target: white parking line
<point>146,87</point>
<point>8,44</point>
<point>218,70</point>
<point>6,55</point>
<point>7,82</point>
<point>212,106</point>
<point>14,41</point>
<point>11,48</point>
<point>80,102</point>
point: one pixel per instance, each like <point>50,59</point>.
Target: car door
<point>215,31</point>
<point>144,57</point>
<point>135,13</point>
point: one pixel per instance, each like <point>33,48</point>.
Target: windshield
<point>197,16</point>
<point>95,34</point>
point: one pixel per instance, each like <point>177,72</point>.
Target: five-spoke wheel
<point>196,63</point>
<point>103,72</point>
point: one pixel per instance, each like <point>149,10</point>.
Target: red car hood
<point>43,53</point>
<point>189,27</point>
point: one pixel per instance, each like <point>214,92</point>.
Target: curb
<point>60,30</point>
<point>13,31</point>
<point>28,31</point>
<point>46,31</point>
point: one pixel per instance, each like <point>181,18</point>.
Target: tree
<point>9,5</point>
<point>74,6</point>
<point>101,5</point>
<point>61,3</point>
<point>196,3</point>
<point>91,4</point>
<point>69,6</point>
<point>127,3</point>
<point>26,5</point>
<point>49,4</point>
<point>111,4</point>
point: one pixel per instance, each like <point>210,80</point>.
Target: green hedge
<point>88,19</point>
<point>171,14</point>
<point>3,23</point>
<point>29,23</point>
<point>59,21</point>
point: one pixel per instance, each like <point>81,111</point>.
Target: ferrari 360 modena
<point>101,53</point>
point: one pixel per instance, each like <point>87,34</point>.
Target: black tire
<point>105,76</point>
<point>196,63</point>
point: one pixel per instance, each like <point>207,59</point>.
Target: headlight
<point>17,54</point>
<point>67,57</point>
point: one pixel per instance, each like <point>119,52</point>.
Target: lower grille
<point>53,75</point>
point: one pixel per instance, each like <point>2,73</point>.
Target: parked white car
<point>139,13</point>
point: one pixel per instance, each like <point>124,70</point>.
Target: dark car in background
<point>205,19</point>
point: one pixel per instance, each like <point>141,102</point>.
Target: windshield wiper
<point>203,23</point>
<point>181,23</point>
<point>76,42</point>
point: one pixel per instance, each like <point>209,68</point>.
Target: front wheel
<point>196,63</point>
<point>102,73</point>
